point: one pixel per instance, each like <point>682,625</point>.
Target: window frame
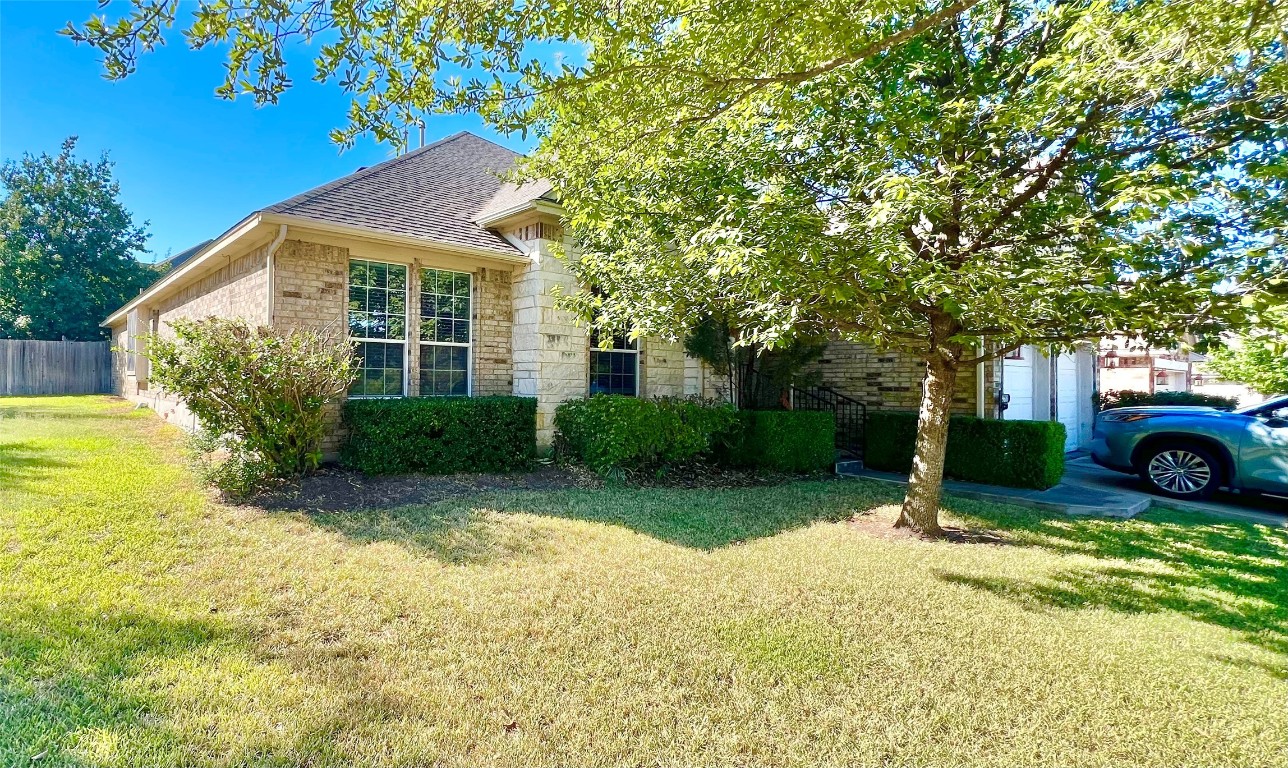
<point>406,347</point>
<point>129,344</point>
<point>469,345</point>
<point>633,350</point>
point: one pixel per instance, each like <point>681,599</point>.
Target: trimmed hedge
<point>1129,398</point>
<point>1020,454</point>
<point>785,441</point>
<point>614,431</point>
<point>440,435</point>
<point>608,431</point>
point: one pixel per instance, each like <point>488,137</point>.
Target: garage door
<point>1017,382</point>
<point>1068,399</point>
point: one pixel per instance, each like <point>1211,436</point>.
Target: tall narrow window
<point>378,323</point>
<point>131,341</point>
<point>445,333</point>
<point>614,371</point>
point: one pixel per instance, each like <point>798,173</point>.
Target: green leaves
<point>263,388</point>
<point>67,247</point>
<point>440,435</point>
<point>1258,357</point>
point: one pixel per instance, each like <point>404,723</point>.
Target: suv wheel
<point>1182,471</point>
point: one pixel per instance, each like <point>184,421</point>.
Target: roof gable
<point>433,193</point>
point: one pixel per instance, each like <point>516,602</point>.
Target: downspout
<point>272,249</point>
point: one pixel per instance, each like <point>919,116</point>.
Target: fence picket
<point>55,367</point>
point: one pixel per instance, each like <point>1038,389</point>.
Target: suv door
<point>1263,452</point>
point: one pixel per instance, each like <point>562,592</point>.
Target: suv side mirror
<point>1277,422</point>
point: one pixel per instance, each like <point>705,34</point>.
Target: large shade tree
<point>68,247</point>
<point>949,179</point>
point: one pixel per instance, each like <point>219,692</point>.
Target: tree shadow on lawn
<point>65,672</point>
<point>454,532</point>
<point>1231,575</point>
<point>23,463</point>
<point>472,530</point>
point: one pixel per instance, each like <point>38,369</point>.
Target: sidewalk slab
<point>1088,489</point>
<point>1065,498</point>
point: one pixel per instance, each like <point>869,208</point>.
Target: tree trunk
<point>925,482</point>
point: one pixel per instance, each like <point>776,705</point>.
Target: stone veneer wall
<point>550,352</point>
<point>701,381</point>
<point>888,381</point>
<point>662,368</point>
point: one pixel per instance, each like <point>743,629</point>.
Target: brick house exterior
<point>339,257</point>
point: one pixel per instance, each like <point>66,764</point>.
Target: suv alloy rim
<point>1180,471</point>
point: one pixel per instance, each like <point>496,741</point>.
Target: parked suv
<point>1187,452</point>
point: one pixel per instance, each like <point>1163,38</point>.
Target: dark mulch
<point>334,489</point>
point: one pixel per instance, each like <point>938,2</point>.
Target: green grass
<point>142,624</point>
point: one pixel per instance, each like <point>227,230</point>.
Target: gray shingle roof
<point>435,193</point>
<point>511,195</point>
<point>177,260</point>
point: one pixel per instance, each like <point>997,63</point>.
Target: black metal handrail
<point>851,415</point>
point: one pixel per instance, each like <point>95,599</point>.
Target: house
<point>1130,364</point>
<point>443,274</point>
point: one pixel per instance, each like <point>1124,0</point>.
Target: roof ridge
<point>343,181</point>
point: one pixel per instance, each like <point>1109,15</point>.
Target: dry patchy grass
<point>143,624</point>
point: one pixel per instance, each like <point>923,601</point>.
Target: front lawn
<point>142,624</point>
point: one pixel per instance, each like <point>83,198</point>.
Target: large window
<point>444,333</point>
<point>614,371</point>
<point>378,323</point>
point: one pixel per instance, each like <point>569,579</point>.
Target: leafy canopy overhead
<point>67,247</point>
<point>1026,174</point>
<point>1259,356</point>
<point>1018,171</point>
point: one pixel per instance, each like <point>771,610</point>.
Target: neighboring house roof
<point>176,260</point>
<point>434,193</point>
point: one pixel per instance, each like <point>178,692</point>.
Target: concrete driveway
<point>1269,510</point>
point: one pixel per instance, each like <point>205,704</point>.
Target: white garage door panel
<point>1018,383</point>
<point>1068,399</point>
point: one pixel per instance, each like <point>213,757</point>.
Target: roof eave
<point>538,205</point>
<point>250,223</point>
<point>237,232</point>
<point>457,249</point>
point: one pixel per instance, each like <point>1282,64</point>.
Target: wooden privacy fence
<point>55,367</point>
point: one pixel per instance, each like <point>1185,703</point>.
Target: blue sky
<point>188,163</point>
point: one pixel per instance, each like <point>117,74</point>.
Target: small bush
<point>440,435</point>
<point>224,462</point>
<point>786,441</point>
<point>1020,454</point>
<point>607,432</point>
<point>259,390</point>
<point>1128,398</point>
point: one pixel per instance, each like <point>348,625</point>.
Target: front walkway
<point>1091,490</point>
